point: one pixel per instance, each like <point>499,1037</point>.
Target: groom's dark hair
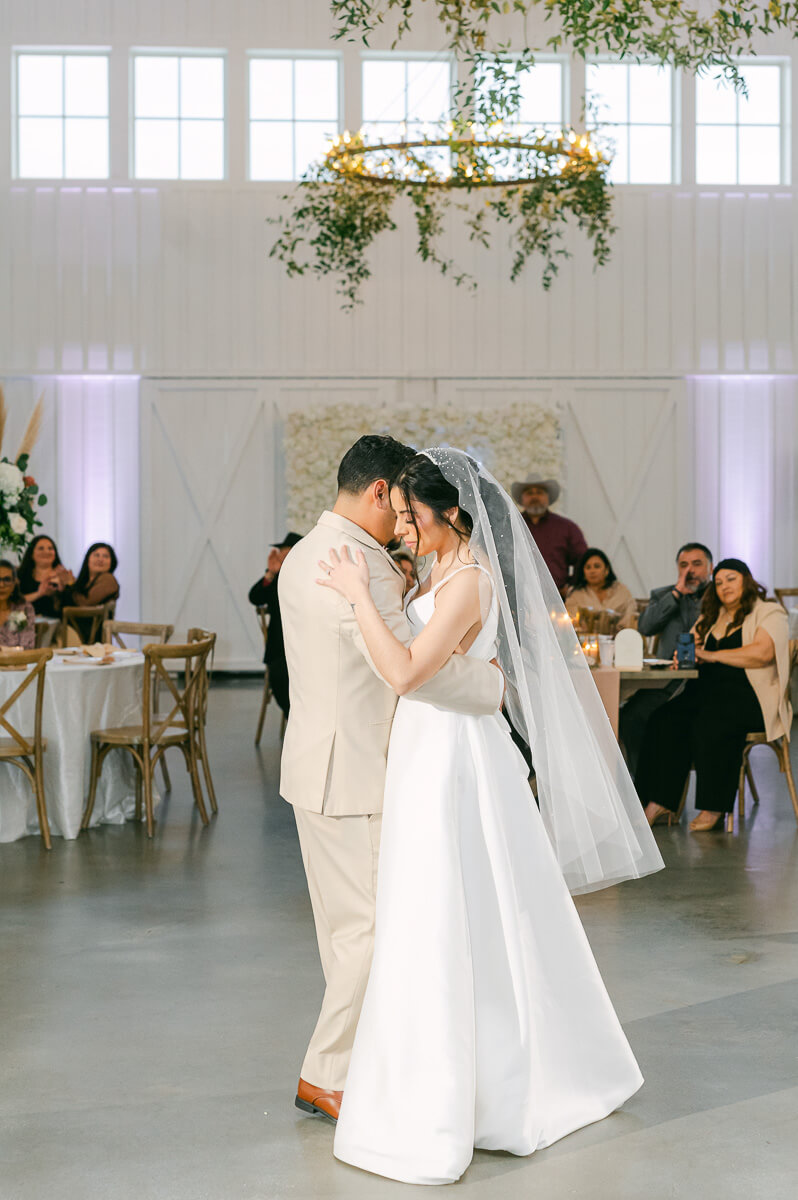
<point>374,456</point>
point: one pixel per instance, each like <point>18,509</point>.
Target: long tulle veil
<point>588,803</point>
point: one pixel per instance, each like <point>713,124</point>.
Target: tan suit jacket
<point>336,742</point>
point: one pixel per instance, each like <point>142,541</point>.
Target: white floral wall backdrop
<point>510,439</point>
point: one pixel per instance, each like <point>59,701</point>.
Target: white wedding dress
<point>485,1023</point>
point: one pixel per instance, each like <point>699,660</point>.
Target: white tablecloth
<point>78,697</point>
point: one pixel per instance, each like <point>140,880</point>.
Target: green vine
<point>665,31</point>
<point>533,188</point>
<point>336,220</point>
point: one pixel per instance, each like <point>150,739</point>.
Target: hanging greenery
<point>532,187</point>
<point>665,31</point>
<point>482,164</point>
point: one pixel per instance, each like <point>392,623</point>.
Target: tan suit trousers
<point>340,855</point>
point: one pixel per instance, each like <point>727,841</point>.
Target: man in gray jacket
<point>671,610</point>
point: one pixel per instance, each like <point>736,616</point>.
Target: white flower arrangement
<point>512,440</point>
<point>19,492</point>
<point>11,482</point>
<point>18,619</point>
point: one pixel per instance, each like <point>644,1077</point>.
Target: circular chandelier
<point>464,159</point>
<point>532,185</point>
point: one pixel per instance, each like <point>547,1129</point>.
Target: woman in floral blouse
<point>17,618</point>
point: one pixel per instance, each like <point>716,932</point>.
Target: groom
<point>336,743</point>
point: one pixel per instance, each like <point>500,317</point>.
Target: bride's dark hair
<point>422,481</point>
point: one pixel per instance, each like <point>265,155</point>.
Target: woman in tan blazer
<point>743,652</point>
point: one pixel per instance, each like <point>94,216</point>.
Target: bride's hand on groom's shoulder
<point>346,575</point>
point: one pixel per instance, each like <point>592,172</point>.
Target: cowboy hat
<point>551,486</point>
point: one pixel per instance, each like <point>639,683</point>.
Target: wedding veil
<point>588,803</point>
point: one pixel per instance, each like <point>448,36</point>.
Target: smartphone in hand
<point>685,652</point>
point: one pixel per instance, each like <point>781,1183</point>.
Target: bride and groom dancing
<point>463,1007</point>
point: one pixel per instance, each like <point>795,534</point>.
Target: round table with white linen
<point>80,694</point>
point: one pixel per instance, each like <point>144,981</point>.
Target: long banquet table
<point>79,695</point>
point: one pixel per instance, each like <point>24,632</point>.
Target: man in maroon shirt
<point>560,541</point>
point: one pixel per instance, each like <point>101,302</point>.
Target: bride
<point>485,1023</point>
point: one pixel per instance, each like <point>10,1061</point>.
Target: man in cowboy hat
<point>560,541</point>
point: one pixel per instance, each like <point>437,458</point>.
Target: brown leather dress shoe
<point>316,1100</point>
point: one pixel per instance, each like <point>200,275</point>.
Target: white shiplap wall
<point>673,365</point>
<point>176,280</point>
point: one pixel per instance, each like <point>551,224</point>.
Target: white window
<point>631,106</point>
<point>739,138</point>
<point>542,95</point>
<point>405,98</point>
<point>178,116</point>
<point>294,109</point>
<point>62,116</point>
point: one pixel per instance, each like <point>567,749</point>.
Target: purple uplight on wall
<point>735,467</point>
<point>98,495</point>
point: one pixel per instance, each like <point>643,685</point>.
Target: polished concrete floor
<point>156,998</point>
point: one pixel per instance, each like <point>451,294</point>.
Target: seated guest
<point>17,618</point>
<point>671,610</point>
<point>43,577</point>
<point>96,582</point>
<point>263,593</point>
<point>560,541</point>
<point>743,652</point>
<point>404,560</point>
<point>595,585</point>
<point>675,608</point>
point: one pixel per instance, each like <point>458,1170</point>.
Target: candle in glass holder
<point>590,648</point>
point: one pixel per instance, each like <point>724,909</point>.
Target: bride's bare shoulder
<point>461,586</point>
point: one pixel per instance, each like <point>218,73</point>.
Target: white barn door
<point>208,508</point>
<point>630,470</point>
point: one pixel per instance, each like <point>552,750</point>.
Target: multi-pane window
<point>405,97</point>
<point>631,107</point>
<point>178,116</point>
<point>293,111</point>
<point>739,137</point>
<point>542,100</point>
<point>62,116</point>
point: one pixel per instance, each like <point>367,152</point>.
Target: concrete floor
<point>156,999</point>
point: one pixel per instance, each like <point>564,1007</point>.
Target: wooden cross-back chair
<point>650,643</point>
<point>201,710</point>
<point>113,631</point>
<point>148,742</point>
<point>263,620</point>
<point>46,631</point>
<point>73,614</point>
<point>150,633</point>
<point>785,594</point>
<point>19,749</point>
<point>780,747</point>
<point>262,614</point>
